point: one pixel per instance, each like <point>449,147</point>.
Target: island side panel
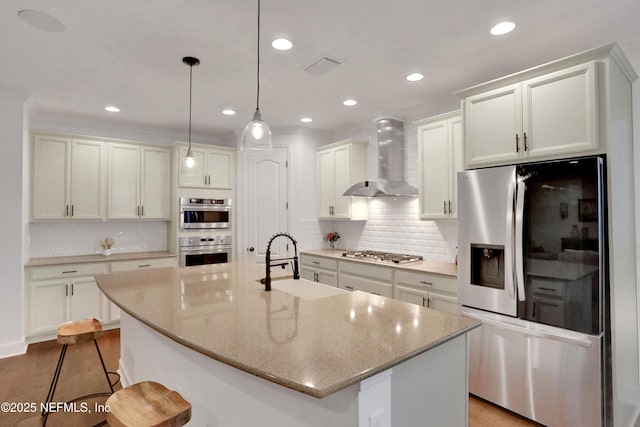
<point>432,388</point>
<point>222,395</point>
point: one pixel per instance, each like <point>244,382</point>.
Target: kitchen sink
<point>303,288</point>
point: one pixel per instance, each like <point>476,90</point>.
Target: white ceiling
<point>129,53</point>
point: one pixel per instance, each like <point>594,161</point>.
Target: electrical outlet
<point>375,420</point>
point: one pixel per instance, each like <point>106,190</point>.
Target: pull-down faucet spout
<point>268,260</point>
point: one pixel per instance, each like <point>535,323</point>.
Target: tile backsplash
<point>83,238</point>
<point>393,226</point>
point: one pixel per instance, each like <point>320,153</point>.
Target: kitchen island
<point>303,354</point>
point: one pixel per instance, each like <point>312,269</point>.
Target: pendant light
<point>189,161</point>
<point>256,136</point>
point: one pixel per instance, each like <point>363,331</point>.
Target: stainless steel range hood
<point>390,180</point>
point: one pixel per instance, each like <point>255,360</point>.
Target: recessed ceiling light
<point>502,28</point>
<point>350,102</point>
<point>281,44</point>
<point>112,109</point>
<point>228,112</point>
<point>41,21</point>
<point>414,77</point>
<point>306,120</point>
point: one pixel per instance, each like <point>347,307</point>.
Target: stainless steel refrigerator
<point>533,267</point>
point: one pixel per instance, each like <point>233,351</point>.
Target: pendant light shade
<point>256,136</point>
<point>189,161</point>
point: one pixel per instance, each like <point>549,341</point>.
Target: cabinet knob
<point>251,249</point>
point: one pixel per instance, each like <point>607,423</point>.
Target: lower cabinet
<point>358,276</point>
<point>319,269</point>
<point>58,294</point>
<point>428,290</point>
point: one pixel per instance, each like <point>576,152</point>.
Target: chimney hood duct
<point>390,180</point>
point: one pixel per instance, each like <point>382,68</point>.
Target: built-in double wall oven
<point>205,215</point>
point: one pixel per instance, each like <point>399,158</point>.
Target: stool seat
<point>147,404</point>
<point>79,330</point>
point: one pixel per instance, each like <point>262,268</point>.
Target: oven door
<point>205,217</point>
<point>203,255</point>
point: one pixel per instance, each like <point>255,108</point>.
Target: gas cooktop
<point>382,256</point>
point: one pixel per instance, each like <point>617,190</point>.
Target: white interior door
<point>267,203</point>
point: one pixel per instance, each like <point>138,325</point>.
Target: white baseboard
<point>15,348</point>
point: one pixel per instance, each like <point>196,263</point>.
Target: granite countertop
<point>314,346</point>
<point>79,259</point>
<point>424,266</point>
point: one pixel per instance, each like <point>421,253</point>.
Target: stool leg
<point>54,382</point>
<point>104,368</point>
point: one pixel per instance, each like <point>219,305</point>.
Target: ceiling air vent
<point>322,65</point>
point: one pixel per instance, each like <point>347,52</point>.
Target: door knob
<point>250,249</point>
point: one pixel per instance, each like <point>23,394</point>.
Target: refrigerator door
<point>547,374</point>
<point>486,200</point>
<point>561,256</point>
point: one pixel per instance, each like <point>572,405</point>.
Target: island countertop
<point>316,346</point>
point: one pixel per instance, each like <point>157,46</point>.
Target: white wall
<point>12,124</point>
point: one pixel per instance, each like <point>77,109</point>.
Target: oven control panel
<point>214,240</point>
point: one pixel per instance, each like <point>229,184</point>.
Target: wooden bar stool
<point>75,332</point>
<point>147,404</point>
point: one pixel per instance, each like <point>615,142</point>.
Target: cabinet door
<point>414,296</point>
<point>85,299</point>
<point>491,122</point>
<point>219,169</point>
<point>443,302</point>
<point>48,306</point>
<point>342,182</point>
<point>326,192</point>
<point>194,177</point>
<point>155,174</point>
<point>86,180</point>
<point>50,186</point>
<point>124,181</point>
<point>560,112</point>
<point>434,193</point>
<point>455,163</point>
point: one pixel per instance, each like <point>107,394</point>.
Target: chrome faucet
<point>268,260</point>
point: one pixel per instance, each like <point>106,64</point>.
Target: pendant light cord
<point>258,68</point>
<point>190,92</point>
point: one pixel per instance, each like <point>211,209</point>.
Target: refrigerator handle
<point>519,249</point>
<point>508,250</point>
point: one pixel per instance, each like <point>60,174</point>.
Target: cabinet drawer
<point>319,262</point>
<point>547,287</point>
<point>356,283</point>
<point>364,269</point>
<point>138,264</point>
<point>68,270</point>
<point>427,281</point>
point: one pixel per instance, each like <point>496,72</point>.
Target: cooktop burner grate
<point>382,256</point>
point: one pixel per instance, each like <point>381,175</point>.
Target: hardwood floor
<point>25,380</point>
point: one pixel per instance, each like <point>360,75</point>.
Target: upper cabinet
<point>68,178</point>
<point>139,179</point>
<point>340,165</point>
<point>213,168</point>
<point>543,117</point>
<point>440,154</point>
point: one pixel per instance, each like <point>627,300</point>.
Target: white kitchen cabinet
<point>68,179</point>
<point>544,117</point>
<point>440,159</point>
<point>213,168</point>
<point>359,276</point>
<point>339,166</point>
<point>426,289</point>
<point>62,293</point>
<point>138,182</point>
<point>319,269</point>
